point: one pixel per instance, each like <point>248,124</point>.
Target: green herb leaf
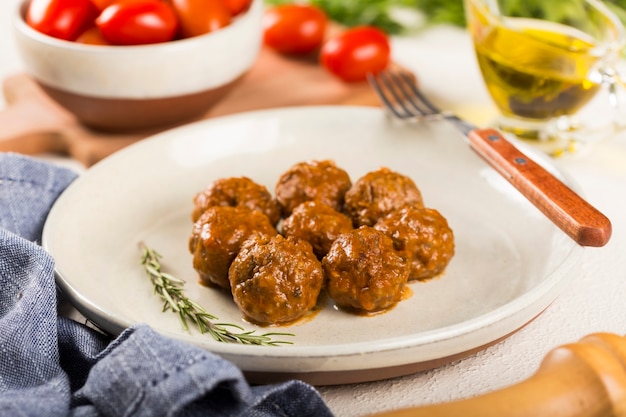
<point>350,13</point>
<point>380,13</point>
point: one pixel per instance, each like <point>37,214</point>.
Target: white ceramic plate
<point>510,262</point>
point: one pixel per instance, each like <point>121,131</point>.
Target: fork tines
<point>399,93</point>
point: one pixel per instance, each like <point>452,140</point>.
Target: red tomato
<point>237,6</point>
<point>137,22</point>
<point>294,28</point>
<point>355,52</point>
<point>198,17</point>
<point>63,19</point>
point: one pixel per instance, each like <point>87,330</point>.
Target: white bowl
<point>144,86</point>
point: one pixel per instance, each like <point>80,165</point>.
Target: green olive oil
<point>535,69</point>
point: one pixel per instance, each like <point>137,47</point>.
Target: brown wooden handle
<point>584,379</point>
<point>570,212</point>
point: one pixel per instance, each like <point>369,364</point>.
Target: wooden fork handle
<point>582,379</point>
<point>570,212</point>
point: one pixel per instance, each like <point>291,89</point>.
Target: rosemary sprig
<point>170,289</point>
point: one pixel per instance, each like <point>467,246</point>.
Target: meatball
<point>378,193</point>
<point>275,279</point>
<point>318,224</point>
<point>217,237</point>
<point>364,272</point>
<point>424,234</point>
<point>236,191</point>
<point>312,180</point>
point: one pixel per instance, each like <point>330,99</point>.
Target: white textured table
<point>596,301</point>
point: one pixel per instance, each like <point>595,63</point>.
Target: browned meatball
<point>275,279</point>
<point>378,193</point>
<point>312,180</point>
<point>217,237</point>
<point>364,271</point>
<point>424,234</point>
<point>236,191</point>
<point>318,224</point>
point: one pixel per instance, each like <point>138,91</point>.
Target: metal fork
<point>401,96</point>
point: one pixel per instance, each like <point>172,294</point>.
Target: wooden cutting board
<point>33,123</point>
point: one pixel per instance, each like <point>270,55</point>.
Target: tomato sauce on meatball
<point>318,224</point>
<point>379,192</point>
<point>217,237</point>
<point>275,279</point>
<point>364,272</point>
<point>312,180</point>
<point>236,192</point>
<point>426,237</point>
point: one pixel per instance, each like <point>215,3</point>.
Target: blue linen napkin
<point>53,366</point>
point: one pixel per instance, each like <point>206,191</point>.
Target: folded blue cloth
<point>53,366</point>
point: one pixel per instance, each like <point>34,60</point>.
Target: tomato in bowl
<point>140,86</point>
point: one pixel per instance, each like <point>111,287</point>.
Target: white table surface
<point>596,300</point>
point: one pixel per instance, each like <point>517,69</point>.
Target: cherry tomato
<point>355,52</point>
<point>237,6</point>
<point>294,28</point>
<point>197,17</point>
<point>63,19</point>
<point>137,22</point>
